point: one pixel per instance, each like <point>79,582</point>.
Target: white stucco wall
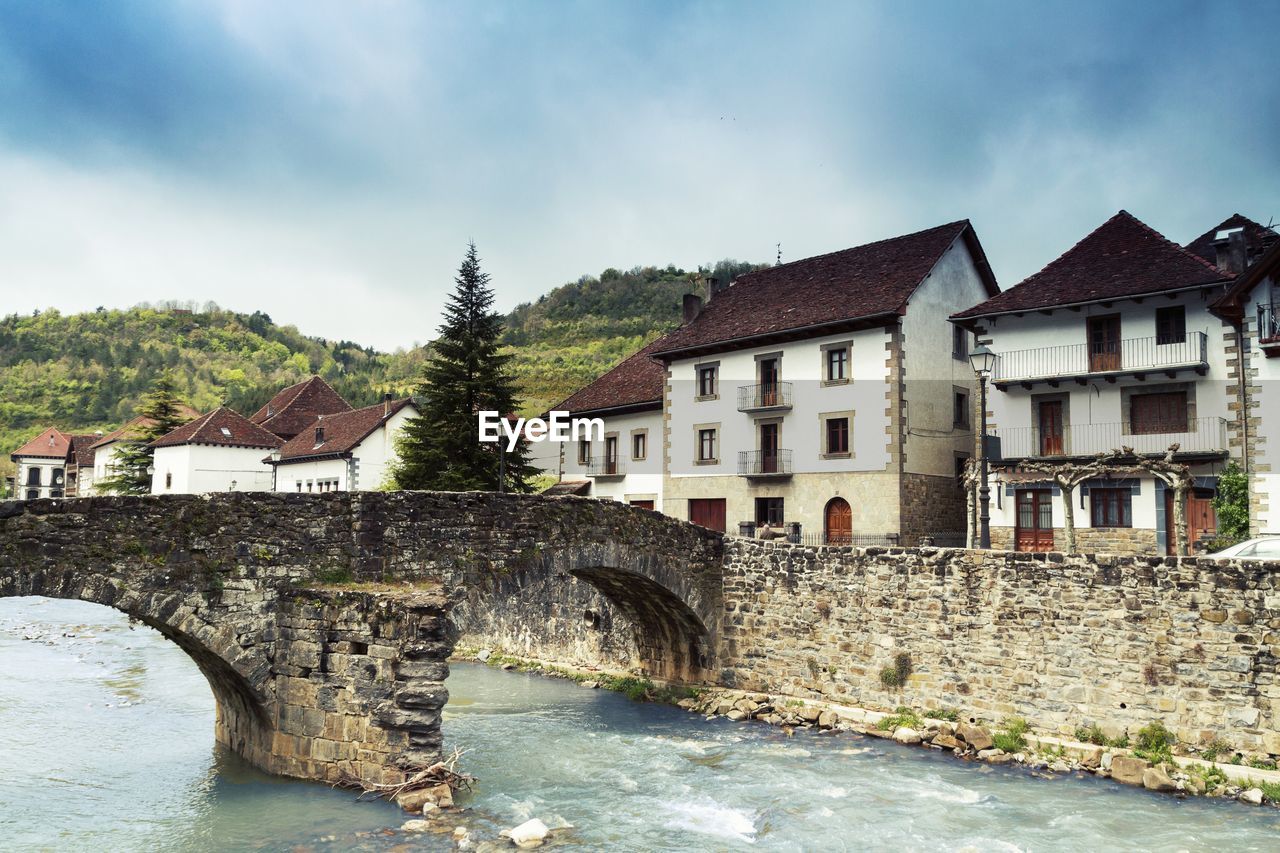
<point>48,469</point>
<point>1265,405</point>
<point>802,364</point>
<point>643,477</point>
<point>931,371</point>
<point>198,469</point>
<point>105,464</point>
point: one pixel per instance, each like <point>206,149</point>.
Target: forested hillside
<point>579,330</point>
<point>82,372</point>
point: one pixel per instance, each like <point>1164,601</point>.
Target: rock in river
<point>531,833</point>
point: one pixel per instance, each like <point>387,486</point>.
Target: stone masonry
<point>1061,641</point>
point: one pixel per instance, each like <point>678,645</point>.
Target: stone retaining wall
<point>1060,641</point>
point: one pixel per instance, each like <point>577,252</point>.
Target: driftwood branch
<point>443,772</point>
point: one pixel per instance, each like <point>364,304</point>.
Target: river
<point>106,743</point>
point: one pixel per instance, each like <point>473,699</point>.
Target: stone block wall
<point>1120,541</point>
<point>1060,641</point>
<point>930,505</point>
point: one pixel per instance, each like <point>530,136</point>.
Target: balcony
<point>764,463</point>
<point>606,469</point>
<point>1199,437</point>
<point>1269,329</point>
<point>1108,360</point>
<point>770,397</point>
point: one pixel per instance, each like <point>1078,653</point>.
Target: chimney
<point>1230,249</point>
<point>692,307</point>
<point>386,405</point>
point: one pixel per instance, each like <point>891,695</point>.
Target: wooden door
<point>1104,343</point>
<point>838,525</point>
<point>611,454</point>
<point>643,504</point>
<point>1051,443</point>
<point>1035,520</point>
<point>768,448</point>
<point>709,512</point>
<point>769,382</point>
<point>1202,521</point>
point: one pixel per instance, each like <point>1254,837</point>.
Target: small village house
<point>627,464</point>
<point>348,451</point>
<point>295,408</point>
<point>1114,344</point>
<point>217,452</point>
<point>41,466</point>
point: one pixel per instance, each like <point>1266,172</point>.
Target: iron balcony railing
<point>1132,355</point>
<point>1198,435</point>
<point>606,468</point>
<point>764,463</point>
<point>1269,323</point>
<point>769,396</point>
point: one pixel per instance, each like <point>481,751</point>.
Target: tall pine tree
<point>441,449</point>
<point>162,413</point>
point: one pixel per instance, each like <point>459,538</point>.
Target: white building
<point>217,452</point>
<point>348,451</point>
<point>627,464</point>
<point>1112,345</point>
<point>829,393</point>
<point>42,466</point>
<point>828,396</point>
<point>1252,305</point>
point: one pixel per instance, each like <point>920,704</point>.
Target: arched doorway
<point>838,522</point>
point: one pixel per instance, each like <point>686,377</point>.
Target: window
<point>962,462</point>
<point>32,494</point>
<point>1157,413</point>
<point>837,435</point>
<point>837,364</point>
<point>960,409</point>
<point>1171,325</point>
<point>707,445</point>
<point>639,445</point>
<point>1111,507</point>
<point>769,511</point>
<point>168,479</point>
<point>707,381</point>
<point>33,476</point>
<point>584,452</point>
<point>299,484</point>
<point>959,343</point>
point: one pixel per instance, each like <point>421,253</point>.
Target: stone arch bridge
<point>324,622</point>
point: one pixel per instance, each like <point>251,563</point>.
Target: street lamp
<point>983,361</point>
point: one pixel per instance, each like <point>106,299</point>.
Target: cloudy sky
<point>327,162</point>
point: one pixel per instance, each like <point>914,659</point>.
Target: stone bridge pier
<point>324,622</point>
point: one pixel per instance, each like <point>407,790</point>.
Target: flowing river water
<point>106,743</point>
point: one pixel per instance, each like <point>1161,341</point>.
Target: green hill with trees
<point>82,372</point>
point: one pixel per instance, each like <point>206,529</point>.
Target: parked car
<point>1259,548</point>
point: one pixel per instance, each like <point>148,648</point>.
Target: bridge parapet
<point>324,622</point>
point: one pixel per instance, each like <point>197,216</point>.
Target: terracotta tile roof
<point>636,382</point>
<point>50,444</point>
<point>568,487</point>
<point>1257,238</point>
<point>342,432</point>
<point>131,428</point>
<point>221,427</point>
<point>81,450</point>
<point>295,408</point>
<point>1122,258</point>
<point>867,281</point>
